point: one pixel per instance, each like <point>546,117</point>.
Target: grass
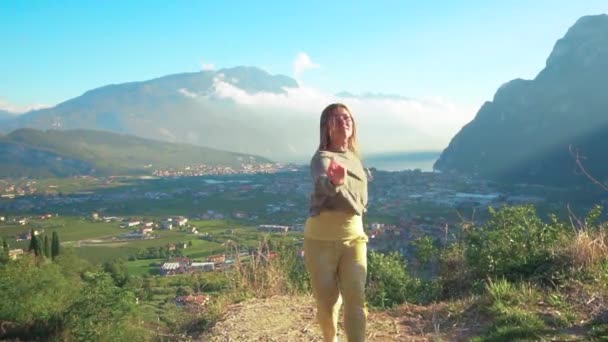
<point>73,230</point>
<point>143,267</point>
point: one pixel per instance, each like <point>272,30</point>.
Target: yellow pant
<point>338,270</point>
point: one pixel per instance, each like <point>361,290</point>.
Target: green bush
<point>454,275</point>
<point>424,249</point>
<point>514,244</point>
<point>388,282</point>
<point>103,312</point>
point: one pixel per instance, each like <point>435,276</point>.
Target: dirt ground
<point>283,318</point>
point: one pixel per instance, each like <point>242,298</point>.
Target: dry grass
<point>588,248</point>
<point>261,275</point>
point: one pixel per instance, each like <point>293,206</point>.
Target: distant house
<point>2,218</point>
<point>217,258</point>
<point>376,225</point>
<point>181,221</point>
<point>148,224</point>
<point>109,218</point>
<point>22,221</point>
<point>204,266</point>
<point>145,230</point>
<point>129,224</point>
<point>272,228</point>
<point>167,224</point>
<point>171,247</point>
<point>15,253</point>
<point>240,214</point>
<point>175,266</point>
<point>94,216</point>
<point>170,268</point>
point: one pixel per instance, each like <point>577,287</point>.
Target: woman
<point>335,244</point>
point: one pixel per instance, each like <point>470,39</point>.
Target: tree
<point>46,249</point>
<point>4,252</point>
<point>55,245</point>
<point>35,244</point>
<point>34,292</point>
<point>118,270</point>
<point>103,312</point>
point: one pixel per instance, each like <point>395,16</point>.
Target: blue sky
<point>460,51</point>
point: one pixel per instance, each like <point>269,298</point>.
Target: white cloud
<point>186,92</point>
<point>19,109</point>
<point>207,66</point>
<point>384,124</point>
<point>301,63</point>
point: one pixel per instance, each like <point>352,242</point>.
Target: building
<point>15,253</point>
<point>273,228</point>
<point>145,230</point>
<point>170,268</point>
<point>240,214</point>
<point>219,258</point>
<point>167,224</point>
<point>130,224</point>
<point>181,221</point>
<point>204,266</point>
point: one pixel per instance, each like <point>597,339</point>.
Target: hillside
<point>193,108</point>
<point>4,115</point>
<point>524,133</point>
<point>62,153</point>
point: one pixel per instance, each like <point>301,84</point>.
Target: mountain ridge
<point>73,152</point>
<point>524,134</point>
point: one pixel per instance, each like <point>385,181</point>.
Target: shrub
<point>514,243</point>
<point>454,275</point>
<point>388,282</point>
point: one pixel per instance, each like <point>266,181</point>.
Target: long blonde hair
<point>325,138</point>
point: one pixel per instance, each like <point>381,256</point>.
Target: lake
<point>399,161</point>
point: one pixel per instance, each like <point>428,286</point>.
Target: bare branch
<point>577,158</point>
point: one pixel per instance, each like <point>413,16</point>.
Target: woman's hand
<point>336,172</point>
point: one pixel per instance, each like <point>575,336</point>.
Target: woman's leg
<point>321,260</point>
<point>352,274</point>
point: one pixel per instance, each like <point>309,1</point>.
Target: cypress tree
<point>46,248</point>
<point>54,245</point>
<point>34,244</point>
<point>39,252</point>
<point>4,252</point>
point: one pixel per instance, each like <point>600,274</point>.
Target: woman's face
<point>340,125</point>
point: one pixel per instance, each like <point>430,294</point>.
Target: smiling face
<point>340,125</point>
<point>337,125</point>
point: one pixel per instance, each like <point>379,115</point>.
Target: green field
<point>93,240</point>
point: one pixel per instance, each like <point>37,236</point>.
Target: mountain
<point>524,134</point>
<point>194,108</point>
<point>4,115</point>
<point>29,152</point>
